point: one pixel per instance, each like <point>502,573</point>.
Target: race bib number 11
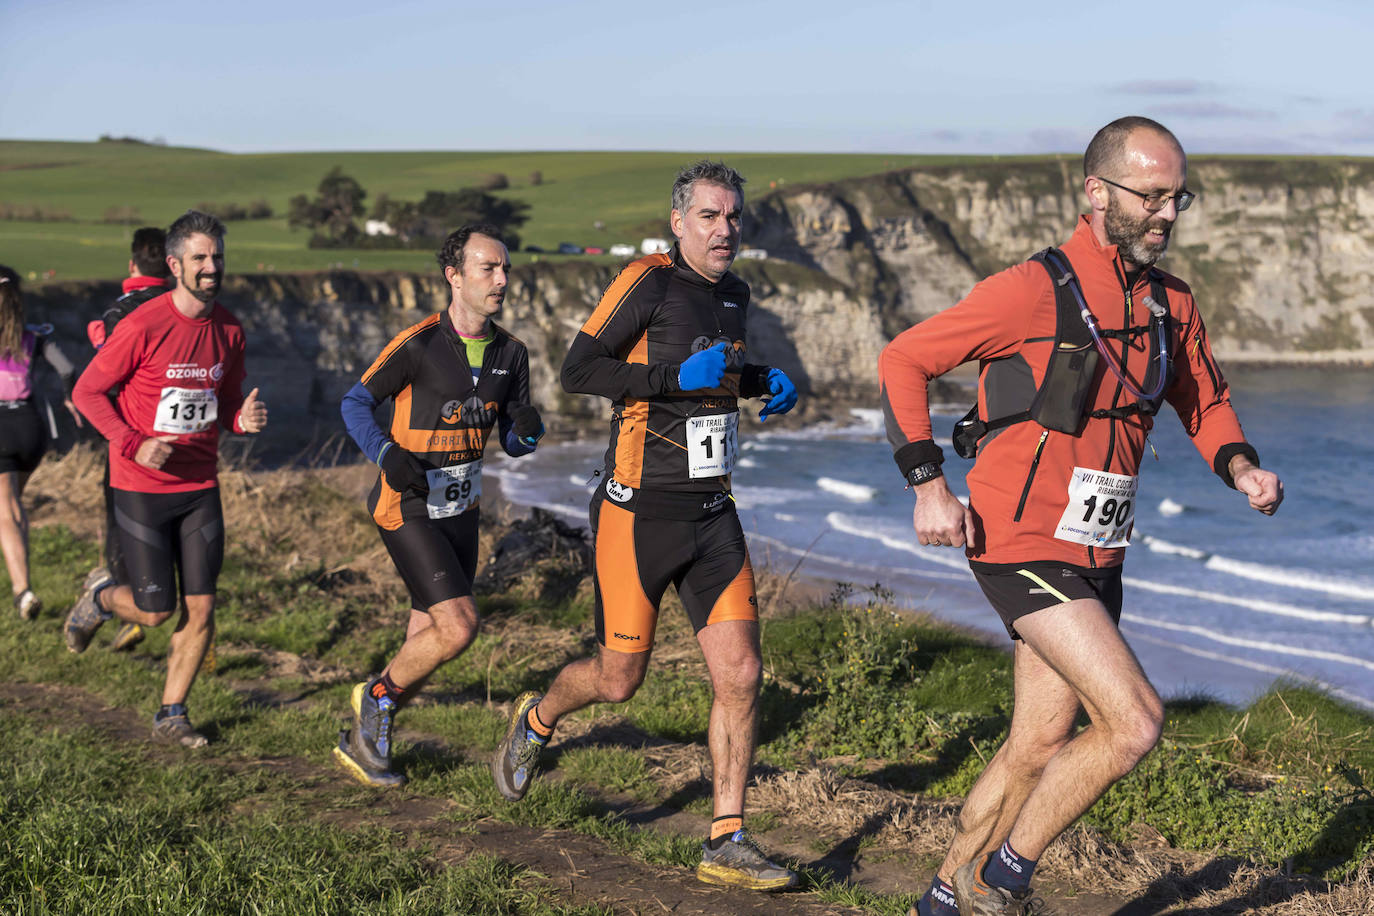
<point>454,489</point>
<point>712,443</point>
<point>1101,509</point>
<point>186,410</point>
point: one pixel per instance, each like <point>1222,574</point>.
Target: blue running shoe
<point>739,862</point>
<point>517,756</point>
<point>86,615</point>
<point>343,753</point>
<point>370,738</point>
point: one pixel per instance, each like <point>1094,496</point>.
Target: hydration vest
<point>1060,401</point>
<point>16,383</point>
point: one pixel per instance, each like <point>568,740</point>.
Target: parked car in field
<point>754,254</point>
<point>622,250</point>
<point>534,249</point>
<point>592,249</point>
<point>569,248</point>
<point>654,246</point>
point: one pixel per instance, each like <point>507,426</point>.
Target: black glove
<point>528,426</point>
<point>403,470</point>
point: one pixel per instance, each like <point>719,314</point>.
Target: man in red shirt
<point>177,365</point>
<point>1062,429</point>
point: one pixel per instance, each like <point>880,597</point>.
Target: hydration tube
<point>1118,370</point>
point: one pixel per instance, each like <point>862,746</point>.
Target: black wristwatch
<point>923,473</point>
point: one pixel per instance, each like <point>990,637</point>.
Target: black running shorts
<point>22,439</point>
<point>1016,590</point>
<point>437,558</point>
<point>643,541</point>
<point>162,532</point>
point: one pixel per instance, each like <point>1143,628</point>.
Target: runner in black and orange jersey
<point>177,365</point>
<point>451,378</point>
<point>1053,490</point>
<point>667,346</point>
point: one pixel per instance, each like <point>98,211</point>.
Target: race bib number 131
<point>186,410</point>
<point>1101,509</point>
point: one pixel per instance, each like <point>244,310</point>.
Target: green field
<point>627,192</point>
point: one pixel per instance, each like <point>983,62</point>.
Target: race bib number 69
<point>454,489</point>
<point>1101,509</point>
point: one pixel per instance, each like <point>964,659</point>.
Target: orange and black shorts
<point>1018,589</point>
<point>646,540</point>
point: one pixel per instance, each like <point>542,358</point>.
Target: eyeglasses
<point>1157,201</point>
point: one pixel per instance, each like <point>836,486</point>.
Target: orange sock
<point>724,827</point>
<point>536,725</point>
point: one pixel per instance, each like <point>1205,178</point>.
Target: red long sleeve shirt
<point>180,377</point>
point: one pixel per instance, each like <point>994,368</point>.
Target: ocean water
<point>1219,600</point>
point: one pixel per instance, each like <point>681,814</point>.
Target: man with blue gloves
<point>666,345</point>
<point>452,378</point>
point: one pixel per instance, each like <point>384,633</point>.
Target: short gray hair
<point>708,171</point>
<point>192,222</point>
<point>1107,150</point>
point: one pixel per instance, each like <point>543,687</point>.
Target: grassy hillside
<point>873,724</point>
<point>628,192</point>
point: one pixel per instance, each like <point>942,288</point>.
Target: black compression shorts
<point>643,541</point>
<point>22,440</point>
<point>437,558</point>
<point>163,532</point>
<point>1018,589</point>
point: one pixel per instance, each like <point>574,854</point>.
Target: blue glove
<point>703,369</point>
<point>782,394</point>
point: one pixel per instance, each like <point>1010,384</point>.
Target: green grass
<point>627,192</point>
<point>882,695</point>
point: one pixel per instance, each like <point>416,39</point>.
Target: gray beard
<point>1128,235</point>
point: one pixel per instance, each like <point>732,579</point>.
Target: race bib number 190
<point>454,489</point>
<point>1101,509</point>
<point>712,443</point>
<point>186,410</point>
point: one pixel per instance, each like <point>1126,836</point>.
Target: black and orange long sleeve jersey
<point>439,413</point>
<point>654,315</point>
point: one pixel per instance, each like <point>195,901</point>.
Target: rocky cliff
<point>1280,254</point>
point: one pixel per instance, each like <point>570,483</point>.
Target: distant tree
<point>493,181</point>
<point>427,221</point>
<point>333,212</point>
<point>259,209</point>
<point>536,178</point>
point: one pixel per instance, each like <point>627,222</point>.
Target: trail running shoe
<point>978,898</point>
<point>739,862</point>
<point>370,738</point>
<point>27,604</point>
<point>127,636</point>
<point>85,617</point>
<point>173,726</point>
<point>513,764</point>
<point>343,753</point>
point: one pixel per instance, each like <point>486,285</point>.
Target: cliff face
<point>1278,253</point>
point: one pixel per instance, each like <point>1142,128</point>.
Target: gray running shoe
<point>27,604</point>
<point>513,765</point>
<point>175,727</point>
<point>370,738</point>
<point>739,862</point>
<point>127,636</point>
<point>978,898</point>
<point>343,753</point>
<point>85,617</point>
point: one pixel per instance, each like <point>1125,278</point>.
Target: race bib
<point>712,443</point>
<point>1101,509</point>
<point>186,410</point>
<point>454,489</point>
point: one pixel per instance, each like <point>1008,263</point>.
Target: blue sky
<point>856,76</point>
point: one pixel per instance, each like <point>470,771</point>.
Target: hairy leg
<point>1084,647</point>
<point>187,645</point>
<point>451,628</point>
<point>1042,721</point>
<point>731,648</point>
<point>607,677</point>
